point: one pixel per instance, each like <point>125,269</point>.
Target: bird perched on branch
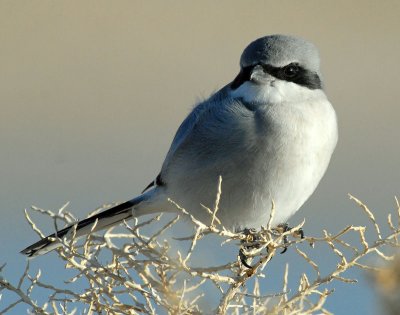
<point>269,133</point>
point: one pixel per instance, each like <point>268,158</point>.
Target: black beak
<point>243,76</point>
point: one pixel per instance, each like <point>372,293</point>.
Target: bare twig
<point>148,275</point>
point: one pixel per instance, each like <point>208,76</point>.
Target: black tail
<point>104,219</point>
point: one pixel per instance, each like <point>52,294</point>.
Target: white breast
<point>299,148</point>
<point>276,147</point>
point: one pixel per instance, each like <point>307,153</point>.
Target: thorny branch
<point>144,273</point>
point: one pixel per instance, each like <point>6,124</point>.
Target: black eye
<point>290,71</point>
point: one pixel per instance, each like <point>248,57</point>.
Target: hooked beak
<point>255,74</point>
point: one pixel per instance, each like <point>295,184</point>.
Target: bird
<point>269,134</point>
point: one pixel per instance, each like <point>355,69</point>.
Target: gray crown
<point>280,50</point>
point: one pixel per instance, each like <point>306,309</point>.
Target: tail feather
<point>104,220</point>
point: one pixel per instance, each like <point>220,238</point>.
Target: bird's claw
<point>283,228</point>
<point>250,238</point>
<point>243,259</point>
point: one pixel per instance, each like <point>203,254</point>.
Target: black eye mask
<point>292,72</point>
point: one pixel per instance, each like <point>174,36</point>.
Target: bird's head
<point>278,68</point>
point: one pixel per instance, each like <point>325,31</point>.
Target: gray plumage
<point>270,134</point>
<point>280,50</point>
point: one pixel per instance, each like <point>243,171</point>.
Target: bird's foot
<point>283,228</point>
<point>249,243</point>
<point>252,238</point>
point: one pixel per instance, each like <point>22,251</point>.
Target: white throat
<point>275,92</point>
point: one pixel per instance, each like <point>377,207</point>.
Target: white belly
<point>283,162</point>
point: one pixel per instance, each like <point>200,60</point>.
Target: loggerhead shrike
<point>270,134</point>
